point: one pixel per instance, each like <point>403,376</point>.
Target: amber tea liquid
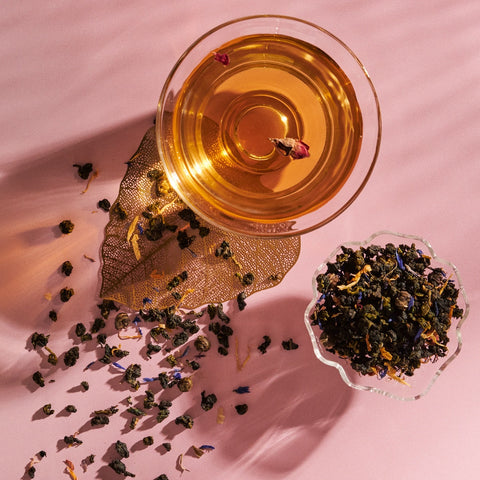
<point>274,86</point>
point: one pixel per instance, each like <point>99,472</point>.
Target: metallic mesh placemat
<point>148,247</point>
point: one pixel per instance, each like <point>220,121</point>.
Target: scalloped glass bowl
<point>424,377</point>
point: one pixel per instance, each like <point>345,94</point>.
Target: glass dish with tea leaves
<point>387,313</point>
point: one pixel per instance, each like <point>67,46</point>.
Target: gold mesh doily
<point>138,270</point>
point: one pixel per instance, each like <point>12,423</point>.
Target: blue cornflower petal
<point>242,390</point>
<point>177,375</point>
<point>147,300</point>
<point>118,365</point>
<point>184,352</point>
<point>206,447</point>
<point>417,336</point>
<point>399,260</point>
<point>410,303</point>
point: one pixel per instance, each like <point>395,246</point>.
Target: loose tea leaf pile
<point>164,235</point>
<point>385,309</point>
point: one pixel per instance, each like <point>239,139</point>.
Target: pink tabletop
<point>79,82</point>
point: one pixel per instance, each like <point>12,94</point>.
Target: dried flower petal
<point>223,58</point>
<point>296,149</point>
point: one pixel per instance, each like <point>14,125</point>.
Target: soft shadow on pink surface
<point>36,194</point>
<point>294,400</point>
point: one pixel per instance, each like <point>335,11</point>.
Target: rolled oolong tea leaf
<point>71,409</point>
<point>265,344</point>
<point>72,440</point>
<point>85,385</point>
<point>184,420</point>
<point>52,314</point>
<point>212,310</point>
<point>66,294</point>
<point>84,170</point>
<point>222,351</point>
<point>167,446</point>
<point>71,356</point>
<point>208,401</point>
<point>133,372</point>
<point>241,301</point>
<point>119,467</point>
<point>39,340</point>
<point>224,250</point>
<point>162,476</point>
<point>385,309</point>
<point>184,240</point>
<point>66,227</point>
<point>80,330</point>
<point>149,400</point>
<point>246,279</point>
<point>221,314</point>
<point>148,440</point>
<point>241,409</point>
<point>107,411</point>
<point>67,268</point>
<point>153,348</point>
<point>52,358</point>
<point>136,411</point>
<point>122,449</point>
<point>179,339</point>
<point>106,307</point>
<point>98,324</point>
<point>38,379</point>
<point>289,344</point>
<point>47,409</point>
<point>119,211</point>
<point>104,205</point>
<point>100,419</point>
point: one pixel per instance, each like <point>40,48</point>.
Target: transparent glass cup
<point>247,82</point>
<point>424,377</point>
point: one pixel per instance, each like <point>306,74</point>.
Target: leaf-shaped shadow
<point>137,269</point>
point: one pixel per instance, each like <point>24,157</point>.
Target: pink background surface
<point>79,81</point>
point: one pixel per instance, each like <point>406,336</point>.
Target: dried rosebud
<point>291,147</point>
<point>300,150</point>
<point>223,58</point>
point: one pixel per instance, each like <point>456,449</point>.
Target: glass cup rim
<point>373,158</point>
